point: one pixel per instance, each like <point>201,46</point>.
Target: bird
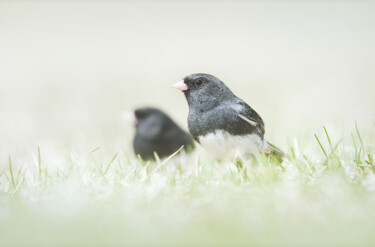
<point>222,123</point>
<point>156,132</point>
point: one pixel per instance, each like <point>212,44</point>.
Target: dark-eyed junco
<point>221,122</point>
<point>156,132</point>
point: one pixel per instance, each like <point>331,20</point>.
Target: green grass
<point>95,199</point>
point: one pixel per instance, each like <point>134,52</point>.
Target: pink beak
<point>129,117</point>
<point>180,86</point>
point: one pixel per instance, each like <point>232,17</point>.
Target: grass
<point>96,199</point>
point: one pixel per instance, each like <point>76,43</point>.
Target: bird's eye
<point>198,82</point>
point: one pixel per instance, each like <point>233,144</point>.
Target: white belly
<point>223,145</point>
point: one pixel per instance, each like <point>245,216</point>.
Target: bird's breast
<point>224,145</point>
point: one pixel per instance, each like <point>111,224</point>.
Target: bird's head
<point>203,91</point>
<point>143,116</point>
<point>148,121</point>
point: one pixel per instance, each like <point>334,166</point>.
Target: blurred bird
<point>221,122</point>
<point>156,132</point>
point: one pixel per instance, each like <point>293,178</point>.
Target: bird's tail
<point>274,151</point>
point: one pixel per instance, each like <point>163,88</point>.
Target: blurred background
<point>68,68</point>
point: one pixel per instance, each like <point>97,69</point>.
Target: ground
<point>98,200</point>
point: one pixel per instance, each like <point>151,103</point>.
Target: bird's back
<point>223,117</point>
<point>165,140</point>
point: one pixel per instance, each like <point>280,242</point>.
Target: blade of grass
<point>157,159</point>
<point>354,143</point>
<point>39,164</point>
<point>329,140</point>
<point>333,151</point>
<point>167,159</point>
<point>321,146</point>
<point>110,163</point>
<point>141,161</point>
<point>7,177</point>
<point>370,159</point>
<point>359,136</point>
<point>357,152</point>
<point>145,172</point>
<point>94,150</point>
<point>18,175</point>
<point>11,173</point>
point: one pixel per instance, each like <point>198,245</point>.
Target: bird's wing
<point>259,126</point>
<point>151,129</point>
<point>150,132</point>
<point>251,117</point>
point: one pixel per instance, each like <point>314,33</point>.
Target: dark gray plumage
<point>220,121</point>
<point>157,132</point>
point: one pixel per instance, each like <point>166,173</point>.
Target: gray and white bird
<point>222,123</point>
